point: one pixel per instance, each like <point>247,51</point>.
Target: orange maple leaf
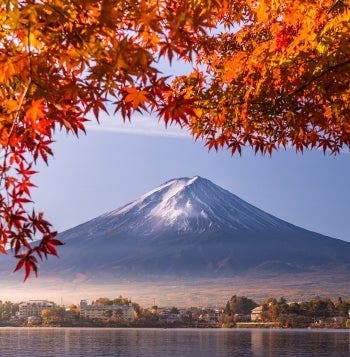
<point>35,111</point>
<point>136,97</point>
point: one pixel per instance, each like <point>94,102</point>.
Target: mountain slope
<point>191,227</point>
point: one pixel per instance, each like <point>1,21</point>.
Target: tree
<point>279,78</point>
<point>270,310</point>
<point>7,310</point>
<point>265,74</point>
<point>102,301</point>
<point>320,308</point>
<point>343,307</point>
<point>121,301</point>
<point>240,305</point>
<point>174,310</point>
<point>53,316</point>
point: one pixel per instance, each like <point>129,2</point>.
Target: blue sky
<point>117,162</point>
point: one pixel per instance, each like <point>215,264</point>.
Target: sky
<point>116,162</point>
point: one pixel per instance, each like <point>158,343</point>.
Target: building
<point>210,316</point>
<point>83,304</point>
<point>122,312</point>
<point>256,314</point>
<point>169,317</point>
<point>33,308</point>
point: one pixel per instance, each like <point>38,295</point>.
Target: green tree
<point>174,310</point>
<point>7,310</point>
<point>343,307</point>
<point>239,305</point>
<point>319,308</point>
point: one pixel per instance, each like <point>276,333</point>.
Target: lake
<point>85,342</point>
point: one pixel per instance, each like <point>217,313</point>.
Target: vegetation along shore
<point>239,312</point>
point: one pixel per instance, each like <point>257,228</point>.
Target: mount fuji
<point>190,227</point>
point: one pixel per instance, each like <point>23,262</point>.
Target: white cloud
<point>147,126</point>
<point>139,125</point>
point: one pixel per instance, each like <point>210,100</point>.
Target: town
<point>239,312</point>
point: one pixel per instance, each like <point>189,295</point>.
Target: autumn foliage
<point>265,74</point>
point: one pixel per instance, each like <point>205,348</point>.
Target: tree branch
<point>15,120</point>
<point>311,80</point>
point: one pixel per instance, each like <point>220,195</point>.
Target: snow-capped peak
<point>187,205</point>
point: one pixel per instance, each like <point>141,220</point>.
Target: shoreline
<point>208,328</point>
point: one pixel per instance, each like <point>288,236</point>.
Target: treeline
<point>7,310</point>
<point>319,312</point>
<point>120,300</point>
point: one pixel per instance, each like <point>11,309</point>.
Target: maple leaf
<point>137,97</point>
<point>11,105</point>
<point>2,249</point>
<point>35,110</point>
<point>29,262</point>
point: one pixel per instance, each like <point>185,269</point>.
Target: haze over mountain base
<point>185,293</point>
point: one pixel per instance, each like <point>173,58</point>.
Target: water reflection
<point>46,342</point>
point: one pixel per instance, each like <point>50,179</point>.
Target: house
<point>33,308</point>
<point>210,316</point>
<point>124,312</point>
<point>256,314</point>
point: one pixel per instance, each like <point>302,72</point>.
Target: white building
<point>33,308</point>
<point>124,312</point>
<point>256,314</point>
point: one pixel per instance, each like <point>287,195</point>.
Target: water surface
<point>86,342</point>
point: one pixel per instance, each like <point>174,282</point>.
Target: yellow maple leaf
<point>33,41</point>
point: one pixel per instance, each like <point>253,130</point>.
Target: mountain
<point>192,228</point>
